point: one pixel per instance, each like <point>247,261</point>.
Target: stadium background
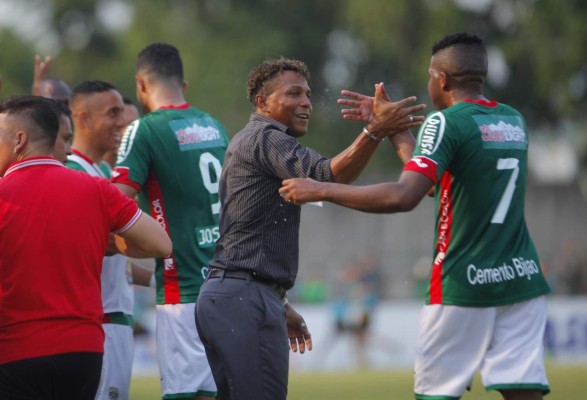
<point>537,64</point>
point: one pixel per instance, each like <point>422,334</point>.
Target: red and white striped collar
<point>82,155</point>
<point>481,102</point>
<point>32,162</point>
<point>183,106</point>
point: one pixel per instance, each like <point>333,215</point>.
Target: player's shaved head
<point>37,116</point>
<point>462,56</point>
<point>85,90</point>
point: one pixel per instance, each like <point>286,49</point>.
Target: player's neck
<point>458,96</point>
<point>166,98</point>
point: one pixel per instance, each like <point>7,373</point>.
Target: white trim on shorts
<point>182,358</point>
<point>455,342</point>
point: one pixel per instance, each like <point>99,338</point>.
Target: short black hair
<point>459,38</point>
<point>41,111</point>
<point>467,64</point>
<point>264,72</point>
<point>92,86</point>
<point>162,60</point>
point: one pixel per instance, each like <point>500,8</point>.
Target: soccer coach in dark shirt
<point>243,316</point>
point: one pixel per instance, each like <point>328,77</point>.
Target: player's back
<point>483,250</point>
<point>174,157</point>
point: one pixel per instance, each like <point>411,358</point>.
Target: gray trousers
<point>242,325</point>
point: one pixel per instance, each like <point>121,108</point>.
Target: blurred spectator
<point>356,295</point>
<point>312,290</point>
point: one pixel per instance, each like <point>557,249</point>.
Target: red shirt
<point>54,225</point>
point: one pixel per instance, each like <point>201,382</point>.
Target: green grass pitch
<point>566,382</point>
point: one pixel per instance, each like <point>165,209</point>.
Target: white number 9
<point>207,160</point>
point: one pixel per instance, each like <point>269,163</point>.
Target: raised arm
<point>384,118</point>
<point>39,73</point>
<point>361,109</point>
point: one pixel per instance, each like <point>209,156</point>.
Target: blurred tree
<point>537,62</point>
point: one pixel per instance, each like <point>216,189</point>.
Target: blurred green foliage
<point>542,42</point>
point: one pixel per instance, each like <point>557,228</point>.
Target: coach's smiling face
<point>288,102</point>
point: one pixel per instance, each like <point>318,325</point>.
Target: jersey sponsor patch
<point>196,133</point>
<point>423,165</point>
<point>431,133</point>
<point>502,131</point>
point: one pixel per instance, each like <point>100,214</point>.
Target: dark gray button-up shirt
<point>259,231</point>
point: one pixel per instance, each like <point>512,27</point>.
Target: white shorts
<point>504,343</point>
<point>183,364</point>
<point>117,364</point>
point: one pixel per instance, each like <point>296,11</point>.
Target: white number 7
<point>506,198</point>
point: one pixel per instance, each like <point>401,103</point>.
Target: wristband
<point>153,282</point>
<point>284,301</point>
<point>371,135</point>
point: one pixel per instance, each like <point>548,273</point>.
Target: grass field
<point>567,383</point>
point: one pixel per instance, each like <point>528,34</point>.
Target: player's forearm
<point>404,145</point>
<point>379,198</point>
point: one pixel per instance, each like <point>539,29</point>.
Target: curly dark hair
<point>265,71</point>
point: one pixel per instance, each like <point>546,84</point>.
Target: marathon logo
<point>197,133</point>
<point>502,132</point>
<point>431,133</point>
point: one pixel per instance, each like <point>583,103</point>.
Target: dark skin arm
<point>362,110</point>
<point>386,118</point>
<point>391,197</point>
<point>297,330</point>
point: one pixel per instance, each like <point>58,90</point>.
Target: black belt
<point>245,275</point>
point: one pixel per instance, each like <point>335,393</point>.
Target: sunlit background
<point>538,64</point>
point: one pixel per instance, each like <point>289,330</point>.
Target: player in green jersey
<point>172,157</point>
<point>485,305</point>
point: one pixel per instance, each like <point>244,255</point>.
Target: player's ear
<point>443,81</point>
<point>184,86</point>
<point>141,86</point>
<point>20,140</point>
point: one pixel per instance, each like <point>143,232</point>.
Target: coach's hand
<point>297,330</point>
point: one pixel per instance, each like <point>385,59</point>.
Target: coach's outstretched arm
<point>384,118</point>
<point>390,197</point>
<point>145,239</point>
<point>362,110</point>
